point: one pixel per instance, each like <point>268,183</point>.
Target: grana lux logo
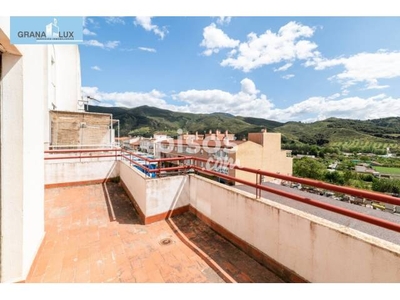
<point>52,32</point>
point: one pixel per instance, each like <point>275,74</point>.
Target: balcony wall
<point>155,198</point>
<point>296,245</point>
<point>311,247</point>
<point>80,171</point>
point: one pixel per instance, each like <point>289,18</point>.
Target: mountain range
<point>335,132</point>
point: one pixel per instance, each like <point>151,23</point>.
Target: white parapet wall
<point>313,248</point>
<point>166,194</point>
<point>155,196</point>
<point>135,184</point>
<point>77,171</point>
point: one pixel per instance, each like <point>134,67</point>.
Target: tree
<point>347,175</point>
<point>321,139</point>
<point>314,150</point>
<point>334,177</point>
<point>386,186</point>
<point>308,168</point>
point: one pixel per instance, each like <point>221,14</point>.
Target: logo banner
<point>46,30</point>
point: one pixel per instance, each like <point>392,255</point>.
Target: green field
<point>386,170</point>
<point>366,145</point>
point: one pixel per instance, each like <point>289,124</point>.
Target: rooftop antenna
<point>88,98</point>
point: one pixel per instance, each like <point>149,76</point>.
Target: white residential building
<point>33,80</point>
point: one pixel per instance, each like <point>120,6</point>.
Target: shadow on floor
<point>227,260</point>
<point>119,206</point>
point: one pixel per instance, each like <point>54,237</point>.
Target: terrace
<point>93,234</point>
<point>182,227</point>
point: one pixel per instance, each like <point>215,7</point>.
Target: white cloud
<point>224,20</point>
<point>146,23</point>
<point>246,102</point>
<point>316,108</point>
<point>108,45</point>
<point>96,68</point>
<point>128,99</point>
<point>88,32</point>
<point>288,76</point>
<point>147,49</point>
<point>283,68</point>
<point>115,20</point>
<point>93,43</point>
<point>215,39</point>
<point>334,96</point>
<point>127,49</point>
<point>249,101</point>
<point>345,92</point>
<point>112,44</point>
<point>249,87</point>
<point>366,68</point>
<point>288,44</point>
<point>373,85</point>
<point>87,21</point>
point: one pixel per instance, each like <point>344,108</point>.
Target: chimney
<point>197,135</point>
<point>217,132</point>
<point>263,130</point>
<point>210,132</point>
<point>226,132</point>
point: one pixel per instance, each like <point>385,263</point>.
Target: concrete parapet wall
<point>311,247</point>
<point>294,244</point>
<point>156,198</point>
<point>66,171</point>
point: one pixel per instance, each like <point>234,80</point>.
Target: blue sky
<point>280,68</point>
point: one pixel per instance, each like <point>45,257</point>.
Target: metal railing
<point>60,154</point>
<point>128,156</point>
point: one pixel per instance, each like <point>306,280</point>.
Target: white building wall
<point>22,171</point>
<point>34,90</point>
<point>25,96</point>
<point>62,81</point>
<point>11,168</point>
<point>68,77</point>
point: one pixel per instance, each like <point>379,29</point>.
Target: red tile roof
<point>203,143</point>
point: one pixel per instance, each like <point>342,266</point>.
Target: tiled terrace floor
<point>84,244</point>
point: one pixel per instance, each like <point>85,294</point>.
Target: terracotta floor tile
<point>67,276</point>
<point>140,275</point>
<point>155,277</point>
<point>83,245</point>
<point>125,274</point>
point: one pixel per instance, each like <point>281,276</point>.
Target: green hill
<point>145,120</point>
<point>345,134</point>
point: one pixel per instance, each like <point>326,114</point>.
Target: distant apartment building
<point>261,151</point>
<point>149,145</point>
